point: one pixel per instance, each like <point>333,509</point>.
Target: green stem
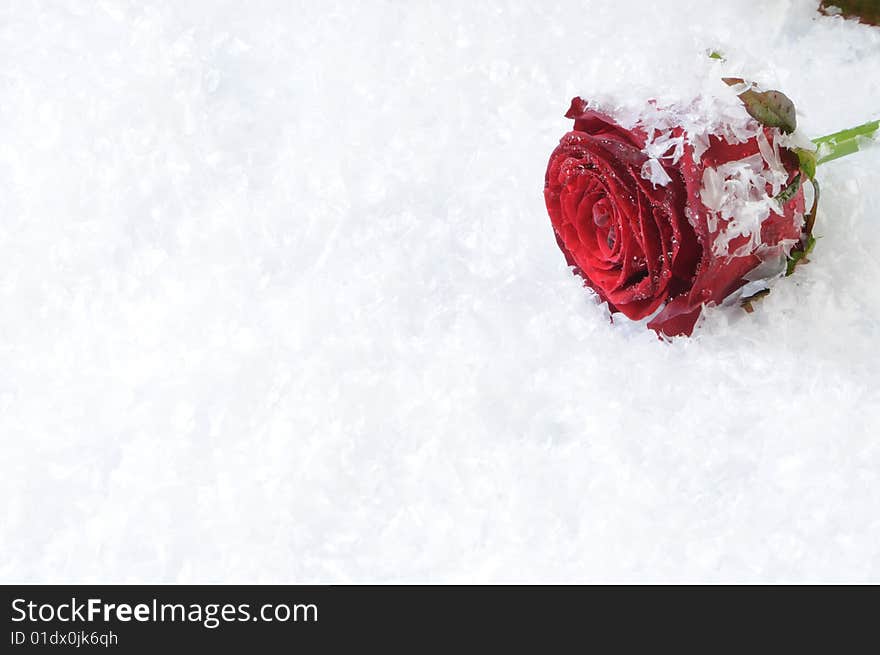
<point>845,142</point>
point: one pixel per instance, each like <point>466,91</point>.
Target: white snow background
<point>280,302</point>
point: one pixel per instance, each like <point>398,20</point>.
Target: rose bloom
<point>688,226</point>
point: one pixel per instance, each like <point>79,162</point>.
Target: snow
<point>280,302</point>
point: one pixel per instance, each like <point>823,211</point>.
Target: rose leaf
<point>770,108</point>
<point>807,159</point>
<point>788,192</point>
<point>800,256</point>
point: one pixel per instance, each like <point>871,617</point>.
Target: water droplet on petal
<point>611,235</point>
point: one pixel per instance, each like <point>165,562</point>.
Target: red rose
<point>688,235</point>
